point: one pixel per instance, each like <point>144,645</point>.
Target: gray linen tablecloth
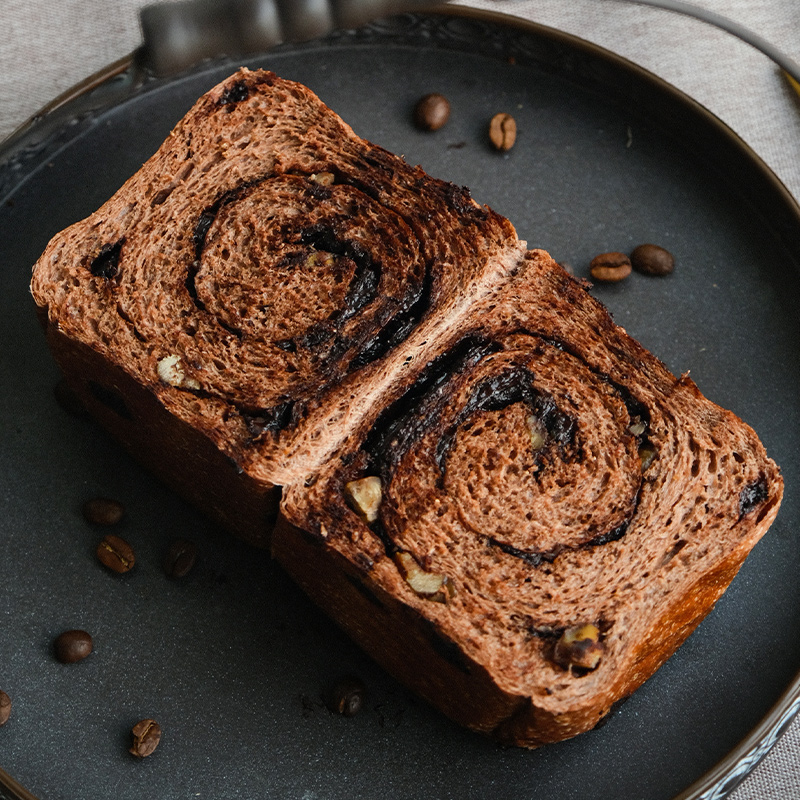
<point>48,47</point>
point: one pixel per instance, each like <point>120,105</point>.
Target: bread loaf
<point>500,495</point>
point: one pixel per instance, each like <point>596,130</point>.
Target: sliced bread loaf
<point>498,493</point>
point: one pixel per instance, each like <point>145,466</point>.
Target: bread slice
<point>264,256</point>
<point>505,500</point>
<point>558,512</point>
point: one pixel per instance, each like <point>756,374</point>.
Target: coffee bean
<point>345,696</point>
<point>610,267</point>
<point>5,708</point>
<point>72,646</point>
<point>116,554</point>
<point>432,112</point>
<point>146,736</point>
<point>103,511</point>
<point>503,131</point>
<point>651,259</point>
<point>180,558</point>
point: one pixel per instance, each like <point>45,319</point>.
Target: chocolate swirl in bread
<point>499,494</point>
<point>544,478</point>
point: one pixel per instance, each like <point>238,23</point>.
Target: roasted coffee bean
<point>345,696</point>
<point>610,267</point>
<point>432,112</point>
<point>72,646</point>
<point>5,708</point>
<point>146,736</point>
<point>503,131</point>
<point>180,558</point>
<point>116,554</point>
<point>103,511</point>
<point>651,259</point>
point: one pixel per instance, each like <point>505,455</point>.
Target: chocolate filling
<point>397,329</point>
<point>536,557</point>
<point>269,420</point>
<point>106,263</point>
<point>636,408</point>
<point>363,290</point>
<point>405,421</point>
<point>528,556</point>
<point>752,496</point>
<point>236,93</point>
<point>501,391</point>
<point>364,285</point>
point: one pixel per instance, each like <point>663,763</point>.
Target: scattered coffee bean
<point>72,646</point>
<point>5,708</point>
<point>68,400</point>
<point>103,511</point>
<point>610,267</point>
<point>180,558</point>
<point>116,554</point>
<point>432,112</point>
<point>651,259</point>
<point>146,736</point>
<point>346,696</point>
<point>503,131</point>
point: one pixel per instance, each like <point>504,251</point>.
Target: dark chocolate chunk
<point>236,93</point>
<point>106,263</point>
<point>752,496</point>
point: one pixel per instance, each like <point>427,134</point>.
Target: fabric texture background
<point>49,47</point>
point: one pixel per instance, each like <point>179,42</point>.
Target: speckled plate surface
<point>231,661</point>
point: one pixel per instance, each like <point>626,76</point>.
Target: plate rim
<point>97,94</point>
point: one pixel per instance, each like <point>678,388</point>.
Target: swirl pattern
<point>551,504</point>
<point>262,256</point>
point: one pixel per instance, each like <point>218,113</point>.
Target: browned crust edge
<point>182,457</point>
<point>412,650</point>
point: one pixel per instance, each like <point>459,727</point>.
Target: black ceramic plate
<point>231,661</point>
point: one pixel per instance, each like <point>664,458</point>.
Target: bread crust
<point>180,455</point>
<point>423,658</point>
